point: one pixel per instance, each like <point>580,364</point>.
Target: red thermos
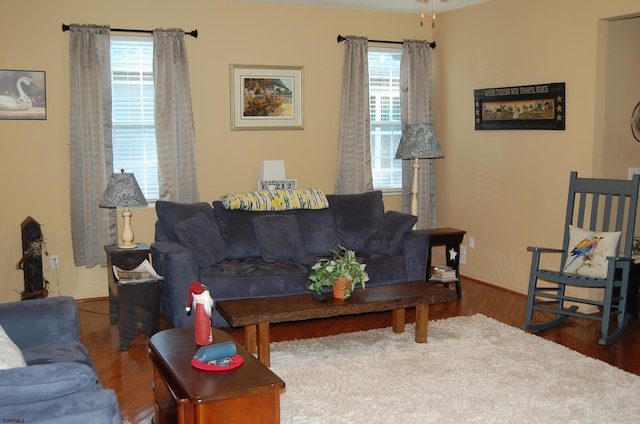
<point>201,301</point>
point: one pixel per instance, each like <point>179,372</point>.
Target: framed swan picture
<point>23,94</point>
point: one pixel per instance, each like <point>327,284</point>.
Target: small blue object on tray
<point>217,357</point>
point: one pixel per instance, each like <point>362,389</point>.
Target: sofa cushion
<point>57,352</point>
<point>47,381</point>
<point>278,238</point>
<point>201,234</point>
<point>357,217</point>
<point>391,230</point>
<point>171,213</point>
<point>237,230</point>
<point>253,277</point>
<point>10,354</point>
<point>317,230</point>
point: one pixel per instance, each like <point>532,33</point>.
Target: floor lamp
<point>123,191</point>
<point>418,141</point>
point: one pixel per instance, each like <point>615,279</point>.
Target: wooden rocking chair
<point>596,210</point>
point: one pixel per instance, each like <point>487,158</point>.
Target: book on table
<point>443,273</point>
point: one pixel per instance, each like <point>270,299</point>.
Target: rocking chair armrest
<point>544,249</point>
<point>617,259</point>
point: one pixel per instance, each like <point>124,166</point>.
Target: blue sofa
<point>241,254</point>
<point>59,385</point>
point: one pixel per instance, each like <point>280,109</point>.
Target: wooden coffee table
<point>257,313</point>
<point>184,394</point>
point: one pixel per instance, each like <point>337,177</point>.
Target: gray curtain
<point>416,108</point>
<point>354,144</point>
<point>90,143</point>
<point>175,133</point>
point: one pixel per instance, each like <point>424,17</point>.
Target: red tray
<point>236,361</point>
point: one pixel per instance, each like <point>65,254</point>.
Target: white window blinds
<point>386,129</point>
<point>134,136</point>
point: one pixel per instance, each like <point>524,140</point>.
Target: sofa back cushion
<point>201,234</point>
<point>237,230</point>
<point>357,217</point>
<point>391,230</point>
<point>172,213</point>
<point>317,230</point>
<point>278,238</point>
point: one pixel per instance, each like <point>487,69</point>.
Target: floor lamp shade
<point>123,191</point>
<point>418,141</point>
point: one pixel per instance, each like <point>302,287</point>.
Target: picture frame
<point>529,107</point>
<point>266,97</point>
<point>23,94</point>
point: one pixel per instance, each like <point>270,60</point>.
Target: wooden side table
<point>135,305</point>
<point>451,238</point>
<point>186,395</point>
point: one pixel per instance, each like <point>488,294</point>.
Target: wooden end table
<point>134,305</point>
<point>184,394</point>
<point>451,238</point>
<point>255,314</point>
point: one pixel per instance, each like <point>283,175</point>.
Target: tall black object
<point>35,285</point>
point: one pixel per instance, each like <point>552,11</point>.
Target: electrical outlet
<point>472,242</point>
<point>463,254</point>
<point>53,261</point>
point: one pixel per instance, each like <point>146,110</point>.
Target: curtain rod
<point>193,33</point>
<point>341,39</point>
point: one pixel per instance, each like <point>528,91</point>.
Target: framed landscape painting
<point>528,107</point>
<point>23,94</point>
<point>266,97</point>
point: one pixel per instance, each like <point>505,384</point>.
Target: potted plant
<point>342,272</point>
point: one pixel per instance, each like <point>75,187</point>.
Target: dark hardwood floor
<point>130,372</point>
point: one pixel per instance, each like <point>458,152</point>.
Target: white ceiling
<point>405,6</point>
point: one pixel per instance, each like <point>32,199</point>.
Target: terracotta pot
<point>339,290</point>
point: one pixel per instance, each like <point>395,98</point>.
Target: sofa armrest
<point>87,406</point>
<point>415,249</point>
<point>178,266</point>
<point>35,383</point>
<point>41,321</point>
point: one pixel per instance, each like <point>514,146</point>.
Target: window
<point>384,107</point>
<point>133,121</point>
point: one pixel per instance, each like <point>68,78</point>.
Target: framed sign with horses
<point>23,95</point>
<point>527,107</point>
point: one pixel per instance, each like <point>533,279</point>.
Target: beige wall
<point>506,188</point>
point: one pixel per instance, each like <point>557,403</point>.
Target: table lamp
<point>123,191</point>
<point>271,171</point>
<point>418,141</point>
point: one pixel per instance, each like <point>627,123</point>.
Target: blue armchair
<point>59,383</point>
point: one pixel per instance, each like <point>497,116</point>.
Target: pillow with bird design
<point>588,251</point>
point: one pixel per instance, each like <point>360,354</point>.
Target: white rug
<point>473,369</point>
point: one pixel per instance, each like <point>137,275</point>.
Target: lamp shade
<point>272,170</point>
<point>122,191</point>
<point>419,141</point>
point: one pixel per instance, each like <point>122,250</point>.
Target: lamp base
<point>126,241</point>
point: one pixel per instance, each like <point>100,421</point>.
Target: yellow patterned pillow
<point>276,200</point>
